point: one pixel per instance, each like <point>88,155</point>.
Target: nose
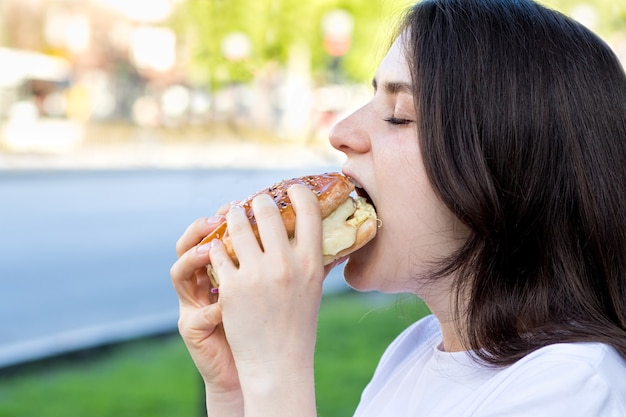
<point>351,135</point>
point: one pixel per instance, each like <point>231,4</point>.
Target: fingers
<point>223,209</point>
<point>221,261</point>
<point>275,244</point>
<point>196,231</point>
<point>185,274</point>
<point>242,237</point>
<point>308,217</point>
<point>270,224</point>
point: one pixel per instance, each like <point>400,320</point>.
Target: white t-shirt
<point>416,378</point>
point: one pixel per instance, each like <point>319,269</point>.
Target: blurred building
<point>68,62</point>
<point>84,59</point>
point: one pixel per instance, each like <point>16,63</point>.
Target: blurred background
<point>147,69</point>
<point>122,121</point>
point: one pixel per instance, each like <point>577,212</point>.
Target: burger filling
<point>340,227</point>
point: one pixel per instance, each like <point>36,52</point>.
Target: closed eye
<point>397,121</point>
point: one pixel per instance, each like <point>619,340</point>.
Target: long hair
<point>522,115</point>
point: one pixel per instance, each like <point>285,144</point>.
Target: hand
<point>200,320</point>
<point>270,303</point>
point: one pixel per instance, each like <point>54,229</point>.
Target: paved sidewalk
<point>138,151</point>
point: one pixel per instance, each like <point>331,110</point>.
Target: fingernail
<point>202,249</point>
<point>214,219</point>
<point>224,207</point>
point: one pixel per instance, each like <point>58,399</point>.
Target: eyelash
<point>397,121</point>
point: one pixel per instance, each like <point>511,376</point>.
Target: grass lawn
<point>155,377</point>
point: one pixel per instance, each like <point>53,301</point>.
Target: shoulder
<point>584,359</point>
<point>574,379</point>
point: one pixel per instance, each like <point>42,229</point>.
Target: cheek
<point>415,221</point>
<point>417,227</point>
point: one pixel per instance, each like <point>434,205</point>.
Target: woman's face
<point>383,156</point>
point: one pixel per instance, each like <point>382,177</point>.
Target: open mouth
<point>360,191</point>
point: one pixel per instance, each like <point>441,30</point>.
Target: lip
<point>360,189</point>
<point>352,178</point>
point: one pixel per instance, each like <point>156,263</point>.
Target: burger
<point>348,221</point>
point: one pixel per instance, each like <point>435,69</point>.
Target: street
<point>85,255</point>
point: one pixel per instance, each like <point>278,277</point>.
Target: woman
<point>494,151</point>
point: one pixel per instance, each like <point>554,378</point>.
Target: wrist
<point>280,394</point>
<point>224,403</point>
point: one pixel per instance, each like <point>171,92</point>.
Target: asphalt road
<point>85,255</point>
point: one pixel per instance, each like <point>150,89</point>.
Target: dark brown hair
<point>522,124</point>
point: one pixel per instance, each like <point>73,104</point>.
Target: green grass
<point>156,378</point>
<point>353,333</point>
<point>147,378</point>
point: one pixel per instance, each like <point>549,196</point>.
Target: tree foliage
<point>607,16</point>
<point>275,27</point>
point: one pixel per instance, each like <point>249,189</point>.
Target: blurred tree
<point>274,27</point>
<point>604,17</point>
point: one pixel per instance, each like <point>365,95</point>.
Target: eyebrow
<point>394,87</point>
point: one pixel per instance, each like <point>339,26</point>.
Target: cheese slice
<point>337,233</point>
<point>339,229</point>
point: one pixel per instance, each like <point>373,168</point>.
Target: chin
<point>372,269</point>
<point>358,271</point>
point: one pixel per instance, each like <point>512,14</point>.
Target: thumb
<point>200,322</point>
<point>212,314</point>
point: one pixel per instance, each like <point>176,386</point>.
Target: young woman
<point>494,150</point>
